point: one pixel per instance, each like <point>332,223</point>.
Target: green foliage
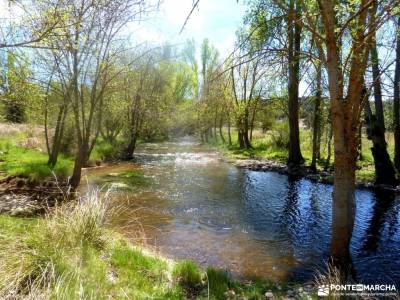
<point>21,97</point>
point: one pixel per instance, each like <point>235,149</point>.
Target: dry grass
<point>29,130</point>
<point>331,276</point>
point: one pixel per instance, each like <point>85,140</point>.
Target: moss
<point>130,180</point>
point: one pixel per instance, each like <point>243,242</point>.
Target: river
<point>250,223</point>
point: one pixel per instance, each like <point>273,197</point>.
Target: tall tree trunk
<point>360,155</point>
<point>377,85</point>
<point>319,136</point>
<point>396,102</point>
<point>221,122</point>
<point>80,160</point>
<point>294,36</point>
<point>317,118</point>
<point>229,130</point>
<point>130,149</point>
<point>246,139</point>
<point>241,142</point>
<point>215,126</point>
<point>206,136</point>
<point>253,117</point>
<point>345,119</point>
<point>58,136</point>
<point>80,132</point>
<point>384,170</point>
<point>345,136</point>
<point>329,150</point>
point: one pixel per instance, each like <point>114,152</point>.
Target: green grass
<point>265,147</point>
<point>30,163</point>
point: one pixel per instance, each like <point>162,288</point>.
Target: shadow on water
<point>382,212</point>
<point>251,223</point>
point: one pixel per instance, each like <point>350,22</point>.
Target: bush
<point>106,151</point>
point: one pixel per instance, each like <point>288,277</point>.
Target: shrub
<point>105,151</point>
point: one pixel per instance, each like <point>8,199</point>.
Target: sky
<point>216,20</point>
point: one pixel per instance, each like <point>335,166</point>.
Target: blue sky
<point>216,20</point>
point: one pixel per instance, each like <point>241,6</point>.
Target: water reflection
<point>382,212</point>
<point>252,223</point>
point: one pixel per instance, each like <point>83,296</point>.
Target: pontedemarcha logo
<point>356,289</point>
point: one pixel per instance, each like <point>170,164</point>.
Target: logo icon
<point>323,290</point>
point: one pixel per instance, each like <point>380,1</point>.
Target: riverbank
<point>258,160</point>
<point>19,196</point>
<point>75,253</point>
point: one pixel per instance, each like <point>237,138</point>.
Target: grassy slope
<point>265,147</point>
<point>73,254</point>
<point>19,158</point>
<point>28,161</point>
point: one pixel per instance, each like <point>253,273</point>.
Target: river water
<point>250,223</point>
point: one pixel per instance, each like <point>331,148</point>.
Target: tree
<point>89,54</point>
<point>294,40</point>
<point>136,83</point>
<point>346,103</point>
<point>316,126</point>
<point>384,171</point>
<point>246,78</point>
<point>396,101</point>
<point>208,59</point>
<point>15,86</point>
<point>38,21</point>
